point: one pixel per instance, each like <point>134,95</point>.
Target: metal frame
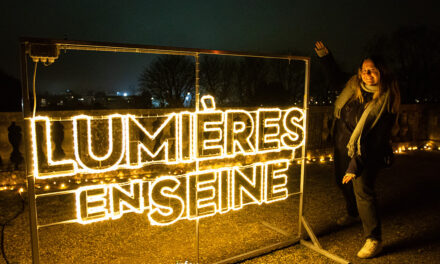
<point>129,48</point>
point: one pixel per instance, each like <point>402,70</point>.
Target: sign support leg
<point>316,246</point>
<point>33,221</point>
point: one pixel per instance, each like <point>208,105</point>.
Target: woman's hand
<point>320,49</point>
<point>348,177</point>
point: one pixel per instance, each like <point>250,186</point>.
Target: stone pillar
<point>14,136</point>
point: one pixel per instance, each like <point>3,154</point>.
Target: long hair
<point>387,82</point>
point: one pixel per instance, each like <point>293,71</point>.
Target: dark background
<point>408,31</point>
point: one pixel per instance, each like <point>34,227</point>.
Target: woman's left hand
<point>348,177</point>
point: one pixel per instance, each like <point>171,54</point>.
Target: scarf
<point>369,117</point>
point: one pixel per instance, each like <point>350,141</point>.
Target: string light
<point>322,159</point>
<point>264,131</point>
<point>258,183</point>
<point>275,130</point>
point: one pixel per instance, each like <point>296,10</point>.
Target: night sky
<point>251,26</point>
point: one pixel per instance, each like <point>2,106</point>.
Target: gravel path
<point>409,201</point>
<point>408,195</point>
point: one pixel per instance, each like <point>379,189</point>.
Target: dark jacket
<point>376,149</point>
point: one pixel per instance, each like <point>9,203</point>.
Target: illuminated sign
<point>238,157</point>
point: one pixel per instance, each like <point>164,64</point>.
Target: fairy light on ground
<point>311,159</point>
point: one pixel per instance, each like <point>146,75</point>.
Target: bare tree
<point>414,55</point>
<point>217,78</point>
<point>168,79</point>
<point>251,79</point>
<point>11,93</point>
<point>287,79</point>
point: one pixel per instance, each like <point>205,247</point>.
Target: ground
<point>409,203</point>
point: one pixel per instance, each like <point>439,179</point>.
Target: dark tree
<point>217,78</point>
<point>414,55</point>
<point>168,79</point>
<point>251,80</point>
<point>286,81</point>
<point>10,101</point>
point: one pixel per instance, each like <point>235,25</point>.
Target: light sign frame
<point>28,115</point>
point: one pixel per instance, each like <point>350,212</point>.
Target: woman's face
<point>370,74</point>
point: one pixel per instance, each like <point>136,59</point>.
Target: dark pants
<point>359,194</point>
<point>341,164</point>
<point>366,202</point>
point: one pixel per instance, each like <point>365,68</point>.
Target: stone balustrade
<point>417,125</point>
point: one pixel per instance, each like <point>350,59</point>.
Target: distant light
<point>125,94</point>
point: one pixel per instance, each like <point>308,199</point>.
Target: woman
<point>365,112</point>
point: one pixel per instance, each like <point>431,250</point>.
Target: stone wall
<point>417,125</point>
